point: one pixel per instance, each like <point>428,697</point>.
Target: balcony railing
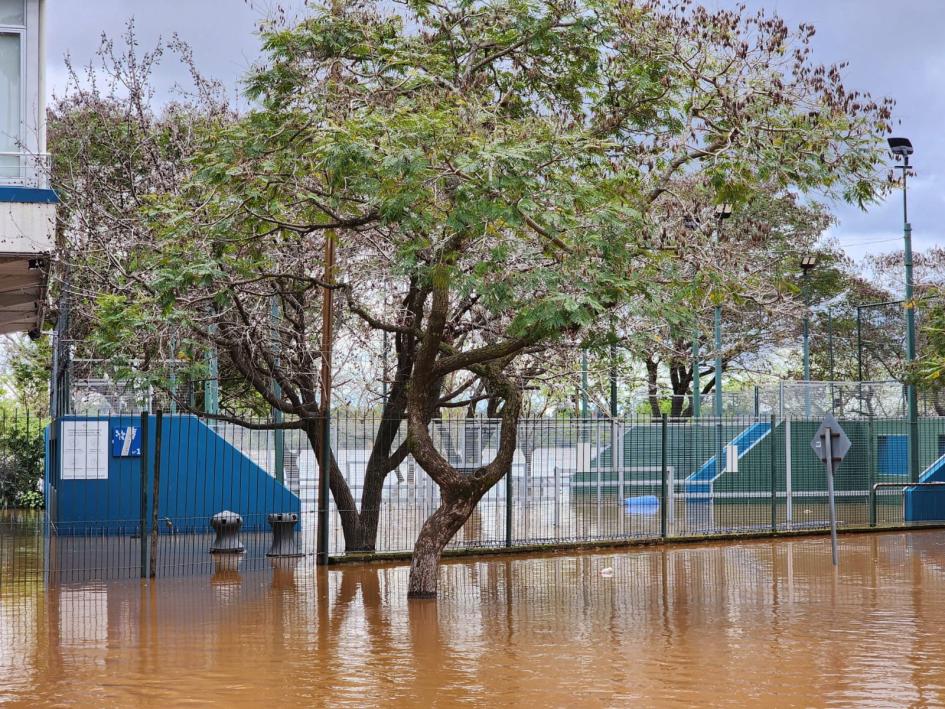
<point>25,169</point>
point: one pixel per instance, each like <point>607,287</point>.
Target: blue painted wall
<point>201,474</point>
<point>926,504</point>
<point>28,195</point>
<point>893,454</point>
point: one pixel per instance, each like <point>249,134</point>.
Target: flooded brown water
<point>737,624</point>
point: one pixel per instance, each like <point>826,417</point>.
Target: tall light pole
<point>584,384</point>
<point>807,265</point>
<point>613,375</point>
<point>278,435</point>
<point>211,387</point>
<point>691,224</point>
<point>722,212</point>
<point>324,472</point>
<point>902,149</point>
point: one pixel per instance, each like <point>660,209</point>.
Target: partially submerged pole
<point>828,450</point>
<point>155,494</point>
<point>321,549</point>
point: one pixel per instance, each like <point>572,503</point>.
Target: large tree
<point>749,265</point>
<point>487,174</point>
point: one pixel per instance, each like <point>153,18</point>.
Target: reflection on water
<point>766,623</point>
<point>73,558</point>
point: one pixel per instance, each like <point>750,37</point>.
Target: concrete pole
<point>277,417</point>
<point>910,328</point>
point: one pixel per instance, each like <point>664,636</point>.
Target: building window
<point>12,13</point>
<point>12,30</point>
<point>11,91</point>
<point>893,454</point>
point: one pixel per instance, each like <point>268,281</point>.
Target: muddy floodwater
<point>736,624</point>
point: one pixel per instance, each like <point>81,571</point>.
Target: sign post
<point>831,445</point>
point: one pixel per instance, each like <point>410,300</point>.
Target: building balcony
<point>20,169</point>
<point>27,239</point>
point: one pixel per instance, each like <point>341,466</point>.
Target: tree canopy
<point>494,177</point>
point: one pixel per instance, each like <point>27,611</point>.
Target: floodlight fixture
<point>900,147</point>
<point>808,262</point>
<point>723,211</point>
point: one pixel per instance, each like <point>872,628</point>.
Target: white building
<point>27,203</point>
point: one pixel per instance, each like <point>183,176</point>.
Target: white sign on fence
<point>84,450</point>
<point>839,445</point>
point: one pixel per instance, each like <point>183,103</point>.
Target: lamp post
<point>901,148</point>
<point>278,435</point>
<point>722,212</point>
<point>691,224</point>
<point>807,265</point>
<point>324,468</point>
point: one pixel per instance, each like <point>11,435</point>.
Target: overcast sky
<point>894,49</point>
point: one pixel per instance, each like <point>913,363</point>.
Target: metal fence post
<point>155,496</point>
<point>788,487</point>
<point>324,473</point>
<point>870,463</point>
<point>143,521</point>
<point>872,506</point>
<point>508,507</point>
<point>774,481</point>
<point>664,497</point>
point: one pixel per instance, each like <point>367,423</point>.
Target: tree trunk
<point>379,465</point>
<point>366,537</point>
<point>460,492</point>
<point>436,532</point>
<point>340,492</point>
<point>681,377</point>
<point>652,369</point>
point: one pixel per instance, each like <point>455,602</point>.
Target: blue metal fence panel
<point>893,454</point>
<point>201,474</point>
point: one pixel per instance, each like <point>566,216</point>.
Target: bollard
<point>284,542</point>
<point>227,526</point>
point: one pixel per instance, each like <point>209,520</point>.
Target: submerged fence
<point>132,495</point>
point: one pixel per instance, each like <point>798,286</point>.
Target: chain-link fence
<point>131,495</point>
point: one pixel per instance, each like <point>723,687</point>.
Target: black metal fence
<point>131,496</point>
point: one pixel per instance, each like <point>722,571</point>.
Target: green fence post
<point>664,470</point>
<point>155,495</point>
<point>143,521</point>
<point>773,479</point>
<point>870,462</point>
<point>872,506</point>
<point>508,506</point>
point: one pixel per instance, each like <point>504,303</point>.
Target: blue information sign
<point>126,441</point>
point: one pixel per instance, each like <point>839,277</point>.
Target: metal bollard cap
<point>282,517</point>
<point>224,519</point>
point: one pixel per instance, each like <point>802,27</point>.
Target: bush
<point>21,463</point>
<point>30,500</point>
